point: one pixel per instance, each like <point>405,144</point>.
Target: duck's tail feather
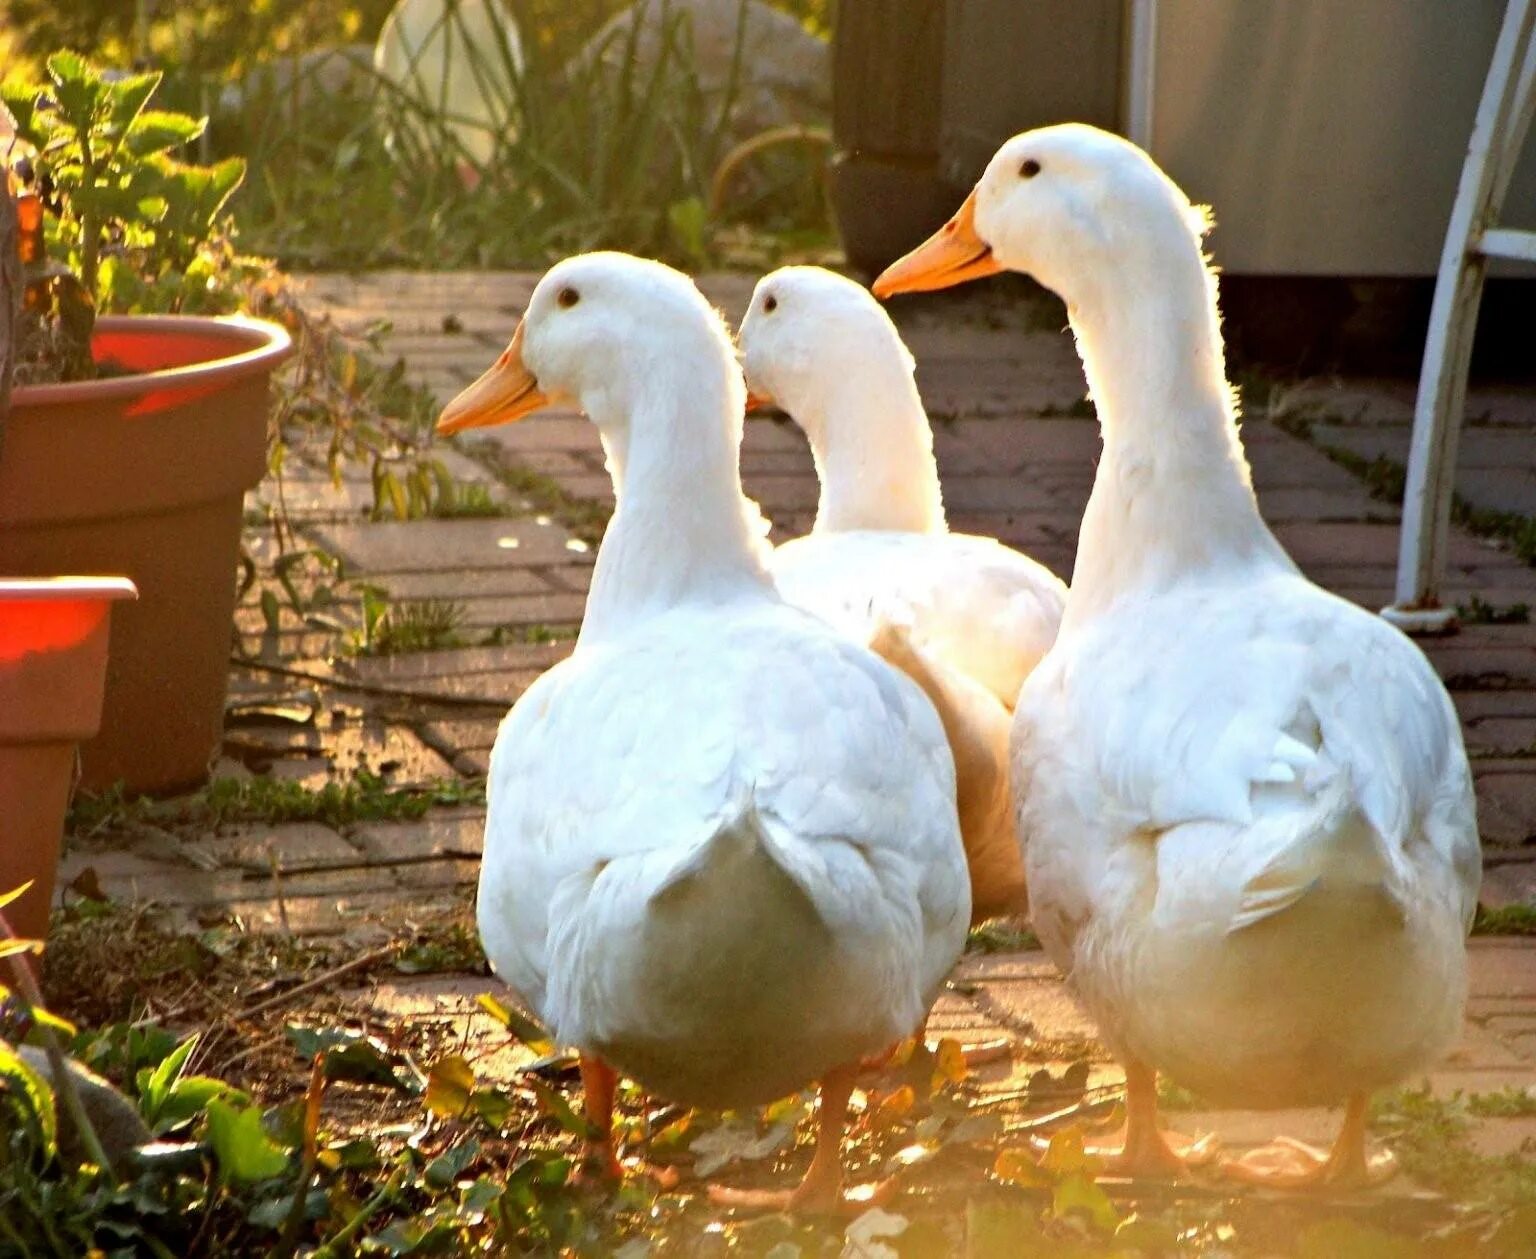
<point>1331,845</point>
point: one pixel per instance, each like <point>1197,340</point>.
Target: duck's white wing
<point>1279,715</point>
<point>978,606</point>
<point>629,759</point>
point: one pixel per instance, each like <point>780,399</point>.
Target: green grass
<point>1507,920</point>
<point>1001,935</point>
<point>410,625</point>
<point>468,500</point>
<point>228,801</point>
<point>1387,481</point>
<point>605,152</point>
<point>1478,611</point>
<point>1429,1135</point>
<point>501,635</point>
<point>586,518</point>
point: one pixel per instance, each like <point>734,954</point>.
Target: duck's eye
<point>1030,169</point>
<point>567,297</point>
<point>770,304</point>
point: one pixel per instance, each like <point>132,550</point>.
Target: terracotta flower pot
<point>53,664</point>
<point>144,475</point>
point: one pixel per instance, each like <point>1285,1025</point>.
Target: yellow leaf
<point>949,1063</point>
<point>450,1084</point>
<point>894,1105</point>
<point>1078,1194</point>
<point>1066,1154</point>
<point>8,896</point>
<point>1018,1167</point>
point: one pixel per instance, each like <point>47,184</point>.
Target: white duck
<point>966,617</point>
<point>1247,814</point>
<point>721,852</point>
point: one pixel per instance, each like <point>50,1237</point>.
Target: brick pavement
<point>1016,448</point>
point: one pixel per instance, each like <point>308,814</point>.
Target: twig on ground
<point>319,981</point>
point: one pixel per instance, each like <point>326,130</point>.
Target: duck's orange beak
<point>758,401</point>
<point>506,392</point>
<point>952,255</point>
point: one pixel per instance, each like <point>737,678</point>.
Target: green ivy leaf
<point>244,1150</point>
<point>447,1167</point>
<point>1078,1194</point>
<point>189,1098</point>
<point>16,1076</point>
<point>155,1084</point>
<point>78,90</point>
<point>493,1107</point>
<point>158,130</point>
<point>558,1109</point>
<point>126,98</point>
<point>21,100</point>
<point>357,1058</point>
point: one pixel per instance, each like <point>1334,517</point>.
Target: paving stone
<point>431,836</point>
<point>545,431</point>
<point>1327,544</point>
<point>1478,706</point>
<point>1506,804</point>
<point>306,498</point>
<point>1480,1050</point>
<point>452,999</point>
<point>458,584</point>
<point>1043,1003</point>
<point>777,462</point>
<point>975,492</point>
<point>554,463</point>
<point>119,872</point>
<point>595,487</point>
<point>784,492</point>
<point>570,577</point>
<point>1505,734</point>
<point>290,843</point>
<point>476,762</point>
<point>1287,505</point>
<point>422,666</point>
<point>1496,1138</point>
<point>452,737</point>
<point>429,545</point>
<point>555,608</point>
<point>1502,968</point>
<point>357,916</point>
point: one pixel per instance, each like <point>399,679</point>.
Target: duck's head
<point>1071,205</point>
<point>599,328</point>
<point>807,332</point>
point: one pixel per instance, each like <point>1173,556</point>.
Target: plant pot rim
<point>256,347</point>
<point>14,589</point>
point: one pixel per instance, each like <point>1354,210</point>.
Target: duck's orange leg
<point>1146,1150</point>
<point>1289,1164</point>
<point>820,1191</point>
<point>600,1161</point>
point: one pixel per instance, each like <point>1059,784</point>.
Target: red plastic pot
<point>145,475</point>
<point>53,666</point>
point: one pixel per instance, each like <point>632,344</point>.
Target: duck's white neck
<point>1172,499</point>
<point>682,532</point>
<point>873,449</point>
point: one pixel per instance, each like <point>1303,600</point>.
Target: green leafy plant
<point>134,227</point>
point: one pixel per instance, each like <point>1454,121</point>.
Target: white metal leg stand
<point>1473,237</point>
